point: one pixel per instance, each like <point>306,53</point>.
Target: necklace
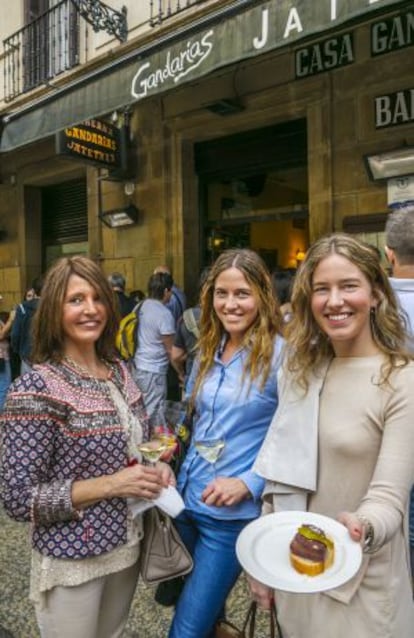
<point>84,371</point>
<point>129,421</point>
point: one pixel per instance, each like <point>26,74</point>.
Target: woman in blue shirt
<point>234,393</point>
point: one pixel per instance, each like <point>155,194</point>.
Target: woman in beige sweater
<point>348,386</point>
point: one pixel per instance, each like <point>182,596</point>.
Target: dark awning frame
<point>210,42</point>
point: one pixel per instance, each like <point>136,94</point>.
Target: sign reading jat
<point>94,141</point>
<point>270,25</point>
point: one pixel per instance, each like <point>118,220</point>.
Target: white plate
<point>263,550</point>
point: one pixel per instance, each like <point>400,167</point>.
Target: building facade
<point>209,123</point>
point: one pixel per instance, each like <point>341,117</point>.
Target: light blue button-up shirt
<point>232,408</point>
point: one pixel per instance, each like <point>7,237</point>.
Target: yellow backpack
<point>126,339</point>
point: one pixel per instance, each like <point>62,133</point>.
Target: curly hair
<point>48,333</point>
<point>309,346</point>
<point>260,336</point>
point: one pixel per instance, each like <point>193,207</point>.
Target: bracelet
<point>369,533</point>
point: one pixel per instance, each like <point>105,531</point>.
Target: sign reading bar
<point>94,141</point>
<point>393,33</point>
<point>324,56</point>
<point>394,108</point>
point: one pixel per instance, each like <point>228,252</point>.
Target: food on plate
<point>311,550</point>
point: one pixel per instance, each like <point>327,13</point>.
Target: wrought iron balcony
<point>41,50</point>
<point>161,10</point>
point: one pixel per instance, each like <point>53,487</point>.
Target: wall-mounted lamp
<point>129,188</point>
<point>300,255</point>
<point>396,163</point>
<point>119,217</point>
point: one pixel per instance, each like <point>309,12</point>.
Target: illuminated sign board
<point>92,141</point>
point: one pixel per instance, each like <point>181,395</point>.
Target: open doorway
<point>254,193</point>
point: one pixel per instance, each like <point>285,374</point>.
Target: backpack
<point>190,322</point>
<point>126,340</point>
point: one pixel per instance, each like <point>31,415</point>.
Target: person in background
<point>29,294</point>
<point>6,323</point>
<point>282,283</point>
<point>177,302</point>
<point>341,443</point>
<point>176,305</point>
<point>185,342</point>
<point>70,429</point>
<point>233,390</point>
<point>125,303</point>
<point>399,239</point>
<point>137,295</point>
<point>21,334</point>
<point>155,338</point>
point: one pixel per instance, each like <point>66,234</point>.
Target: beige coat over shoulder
<point>365,464</point>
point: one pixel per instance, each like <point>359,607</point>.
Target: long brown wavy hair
<point>309,345</point>
<point>48,333</point>
<point>260,336</point>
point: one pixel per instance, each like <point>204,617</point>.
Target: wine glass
<point>210,449</point>
<point>153,449</point>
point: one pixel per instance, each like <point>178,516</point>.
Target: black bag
<point>226,629</point>
<point>168,592</point>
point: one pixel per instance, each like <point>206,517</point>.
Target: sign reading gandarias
<point>93,141</point>
<point>262,28</point>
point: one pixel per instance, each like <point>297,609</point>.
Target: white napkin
<point>169,501</point>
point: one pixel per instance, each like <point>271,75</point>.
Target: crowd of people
<point>299,391</point>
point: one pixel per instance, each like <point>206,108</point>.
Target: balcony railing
<point>161,10</point>
<point>41,50</point>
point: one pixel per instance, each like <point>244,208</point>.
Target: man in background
<point>177,302</point>
<point>21,333</point>
<point>399,239</point>
<point>156,331</point>
<point>186,337</point>
<point>125,304</point>
<point>176,305</point>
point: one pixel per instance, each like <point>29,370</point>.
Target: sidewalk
<point>147,619</point>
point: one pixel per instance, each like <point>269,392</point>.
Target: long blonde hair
<point>309,345</point>
<point>260,336</point>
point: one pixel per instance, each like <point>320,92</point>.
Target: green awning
<point>231,34</point>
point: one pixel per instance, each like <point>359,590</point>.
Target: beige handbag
<point>163,554</point>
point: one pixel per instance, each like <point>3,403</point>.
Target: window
<point>50,42</point>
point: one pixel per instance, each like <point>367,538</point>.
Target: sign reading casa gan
<point>93,141</point>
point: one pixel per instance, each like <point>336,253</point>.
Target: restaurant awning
<point>232,33</point>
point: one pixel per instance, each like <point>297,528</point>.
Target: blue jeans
<point>5,381</point>
<point>212,544</point>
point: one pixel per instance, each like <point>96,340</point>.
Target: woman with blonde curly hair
<point>234,394</point>
<point>342,441</point>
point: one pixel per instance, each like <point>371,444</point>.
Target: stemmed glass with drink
<point>210,448</point>
<point>162,440</point>
<point>153,449</point>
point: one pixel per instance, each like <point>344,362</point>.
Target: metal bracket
<point>102,17</point>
